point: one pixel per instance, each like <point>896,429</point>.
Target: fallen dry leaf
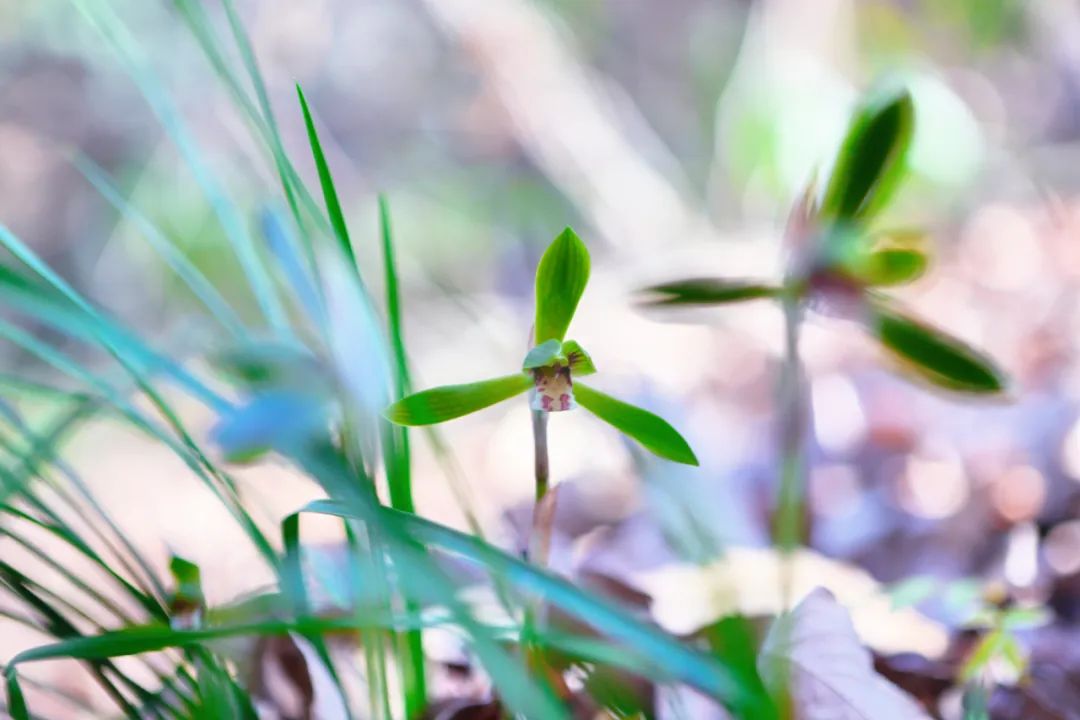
<point>828,672</point>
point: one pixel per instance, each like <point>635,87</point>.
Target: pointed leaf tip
<point>941,359</point>
<point>871,157</point>
<point>652,431</point>
<point>708,291</point>
<point>561,277</point>
<point>453,401</point>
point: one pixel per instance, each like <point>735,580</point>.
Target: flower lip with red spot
<point>553,390</point>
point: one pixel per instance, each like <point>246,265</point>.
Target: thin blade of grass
<point>104,19</point>
<point>326,180</point>
<point>398,460</point>
<point>688,665</point>
<point>176,260</point>
<point>96,325</point>
<point>423,581</point>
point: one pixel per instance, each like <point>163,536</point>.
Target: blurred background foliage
<point>674,136</point>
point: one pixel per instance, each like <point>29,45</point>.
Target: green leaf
<point>105,19</point>
<point>543,354</point>
<point>912,591</point>
<point>16,702</point>
<point>650,430</point>
<point>675,659</point>
<point>893,259</point>
<point>1026,618</point>
<point>941,359</point>
<point>560,281</point>
<point>871,158</point>
<point>326,180</point>
<point>580,362</point>
<point>985,651</point>
<point>708,291</point>
<point>894,266</point>
<point>452,401</point>
<point>186,270</point>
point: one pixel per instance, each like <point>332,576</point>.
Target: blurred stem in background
<point>788,526</point>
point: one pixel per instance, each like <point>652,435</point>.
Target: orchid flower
<point>551,369</point>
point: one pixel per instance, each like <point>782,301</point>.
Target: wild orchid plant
<point>838,256</point>
<point>551,368</point>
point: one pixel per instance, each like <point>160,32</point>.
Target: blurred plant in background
<point>673,134</point>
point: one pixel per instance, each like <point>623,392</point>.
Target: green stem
<point>540,454</point>
<point>789,529</point>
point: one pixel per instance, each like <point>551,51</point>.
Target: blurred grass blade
<point>185,448</point>
<point>871,157</point>
<point>104,18</point>
<point>682,662</point>
<point>939,358</point>
<point>326,180</point>
<point>423,581</point>
<point>176,260</point>
<point>650,430</point>
<point>708,291</point>
<point>93,323</point>
<point>16,702</point>
<point>452,401</point>
<point>561,277</point>
<point>305,293</point>
<point>264,123</point>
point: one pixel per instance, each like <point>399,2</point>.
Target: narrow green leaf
<point>452,401</point>
<point>104,18</point>
<point>581,363</point>
<point>650,430</point>
<point>186,270</point>
<point>872,155</point>
<point>678,660</point>
<point>893,266</point>
<point>16,702</point>
<point>423,580</point>
<point>985,651</point>
<point>397,454</point>
<point>1026,618</point>
<point>1014,654</point>
<point>941,359</point>
<point>708,291</point>
<point>561,277</point>
<point>892,259</point>
<point>543,354</point>
<point>140,639</point>
<point>326,180</point>
<point>59,303</point>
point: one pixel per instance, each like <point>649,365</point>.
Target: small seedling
<point>551,368</point>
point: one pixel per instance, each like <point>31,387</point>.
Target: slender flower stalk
<point>550,372</point>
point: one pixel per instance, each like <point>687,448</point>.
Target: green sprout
<point>840,257</point>
<point>551,368</point>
